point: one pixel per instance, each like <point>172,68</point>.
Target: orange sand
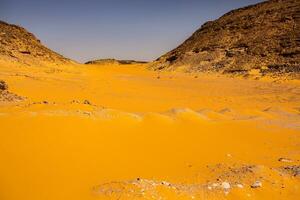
<point>139,128</point>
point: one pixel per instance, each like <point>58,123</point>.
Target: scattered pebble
<point>226,185</point>
<point>239,185</point>
<point>285,160</point>
<point>215,184</point>
<point>86,113</point>
<point>256,184</point>
<point>87,102</point>
<point>75,101</point>
<point>294,170</point>
<point>166,183</point>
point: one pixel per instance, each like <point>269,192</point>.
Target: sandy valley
<point>124,132</point>
<point>216,118</point>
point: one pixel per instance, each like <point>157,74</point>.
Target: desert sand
<point>87,132</point>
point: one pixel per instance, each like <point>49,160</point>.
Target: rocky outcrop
<point>263,37</point>
<point>17,44</point>
<point>6,96</point>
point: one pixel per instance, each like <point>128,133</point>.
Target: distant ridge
<point>264,37</point>
<point>114,61</point>
<point>18,45</point>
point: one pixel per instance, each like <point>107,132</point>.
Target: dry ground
<point>96,132</point>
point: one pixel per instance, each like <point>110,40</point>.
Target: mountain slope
<point>18,45</point>
<point>265,37</point>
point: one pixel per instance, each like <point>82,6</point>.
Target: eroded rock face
<point>17,44</point>
<point>265,36</point>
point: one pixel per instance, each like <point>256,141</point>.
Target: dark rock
<point>87,102</point>
<point>172,58</point>
<point>3,85</point>
<point>196,50</point>
<point>161,67</point>
<point>25,52</point>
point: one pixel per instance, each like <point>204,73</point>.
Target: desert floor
<point>124,132</point>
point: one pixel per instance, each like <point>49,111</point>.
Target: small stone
<point>226,185</point>
<point>256,184</point>
<point>215,184</point>
<point>3,85</point>
<point>87,102</point>
<point>209,187</point>
<point>239,186</point>
<point>86,113</point>
<point>166,183</point>
<point>285,160</point>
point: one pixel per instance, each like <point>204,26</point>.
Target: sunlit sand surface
<point>123,132</point>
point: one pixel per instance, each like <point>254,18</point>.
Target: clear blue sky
<point>122,29</point>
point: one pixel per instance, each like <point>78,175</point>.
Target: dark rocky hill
<point>18,45</point>
<point>264,37</point>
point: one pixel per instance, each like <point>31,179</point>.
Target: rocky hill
<point>264,37</point>
<point>114,62</point>
<point>18,45</point>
